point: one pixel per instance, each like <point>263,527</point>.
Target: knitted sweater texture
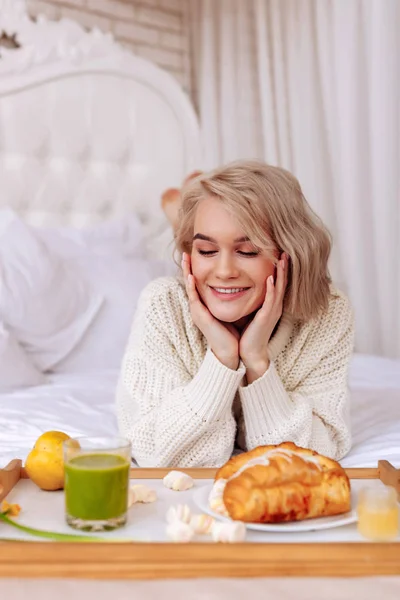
<point>179,406</point>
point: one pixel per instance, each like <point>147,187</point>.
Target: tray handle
<point>9,476</point>
<point>389,475</point>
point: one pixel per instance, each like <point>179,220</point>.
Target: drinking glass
<point>378,513</point>
<point>96,482</point>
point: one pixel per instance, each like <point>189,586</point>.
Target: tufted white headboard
<point>88,131</point>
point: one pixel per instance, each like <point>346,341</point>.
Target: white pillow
<point>16,370</point>
<point>44,302</point>
<point>123,237</point>
<point>120,280</point>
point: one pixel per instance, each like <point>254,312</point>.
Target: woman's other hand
<point>223,339</point>
<point>253,345</point>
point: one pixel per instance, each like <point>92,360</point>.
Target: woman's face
<point>230,273</point>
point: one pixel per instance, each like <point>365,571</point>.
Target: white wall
<point>154,29</point>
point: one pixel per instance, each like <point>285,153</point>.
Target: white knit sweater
<point>179,406</point>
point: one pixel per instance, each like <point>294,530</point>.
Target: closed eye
<point>211,252</point>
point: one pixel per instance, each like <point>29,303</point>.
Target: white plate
<point>201,495</point>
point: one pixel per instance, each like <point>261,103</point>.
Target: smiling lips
<point>228,293</point>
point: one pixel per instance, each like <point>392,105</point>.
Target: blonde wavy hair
<point>270,207</point>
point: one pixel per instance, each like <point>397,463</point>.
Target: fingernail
<point>271,280</point>
<point>282,262</point>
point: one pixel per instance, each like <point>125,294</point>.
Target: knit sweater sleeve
<point>315,413</point>
<point>173,402</point>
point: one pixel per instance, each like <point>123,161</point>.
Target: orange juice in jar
<point>378,514</point>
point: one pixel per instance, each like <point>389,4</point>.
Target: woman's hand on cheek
<point>222,339</point>
<point>253,344</point>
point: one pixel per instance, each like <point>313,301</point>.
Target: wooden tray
<point>166,560</point>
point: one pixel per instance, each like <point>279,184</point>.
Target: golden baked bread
<point>273,484</point>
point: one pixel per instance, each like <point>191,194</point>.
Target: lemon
<point>45,462</point>
<point>51,441</point>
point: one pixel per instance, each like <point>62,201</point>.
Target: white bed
<point>83,404</point>
<point>90,136</point>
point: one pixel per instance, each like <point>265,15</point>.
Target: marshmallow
<point>177,481</point>
<point>180,512</point>
<point>202,524</point>
<point>141,493</point>
<point>179,532</point>
<point>229,532</point>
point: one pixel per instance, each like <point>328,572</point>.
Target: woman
<point>252,344</point>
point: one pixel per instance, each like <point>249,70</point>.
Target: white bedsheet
<point>84,405</point>
<point>76,404</point>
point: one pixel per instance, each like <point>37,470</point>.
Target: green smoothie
<point>96,486</point>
